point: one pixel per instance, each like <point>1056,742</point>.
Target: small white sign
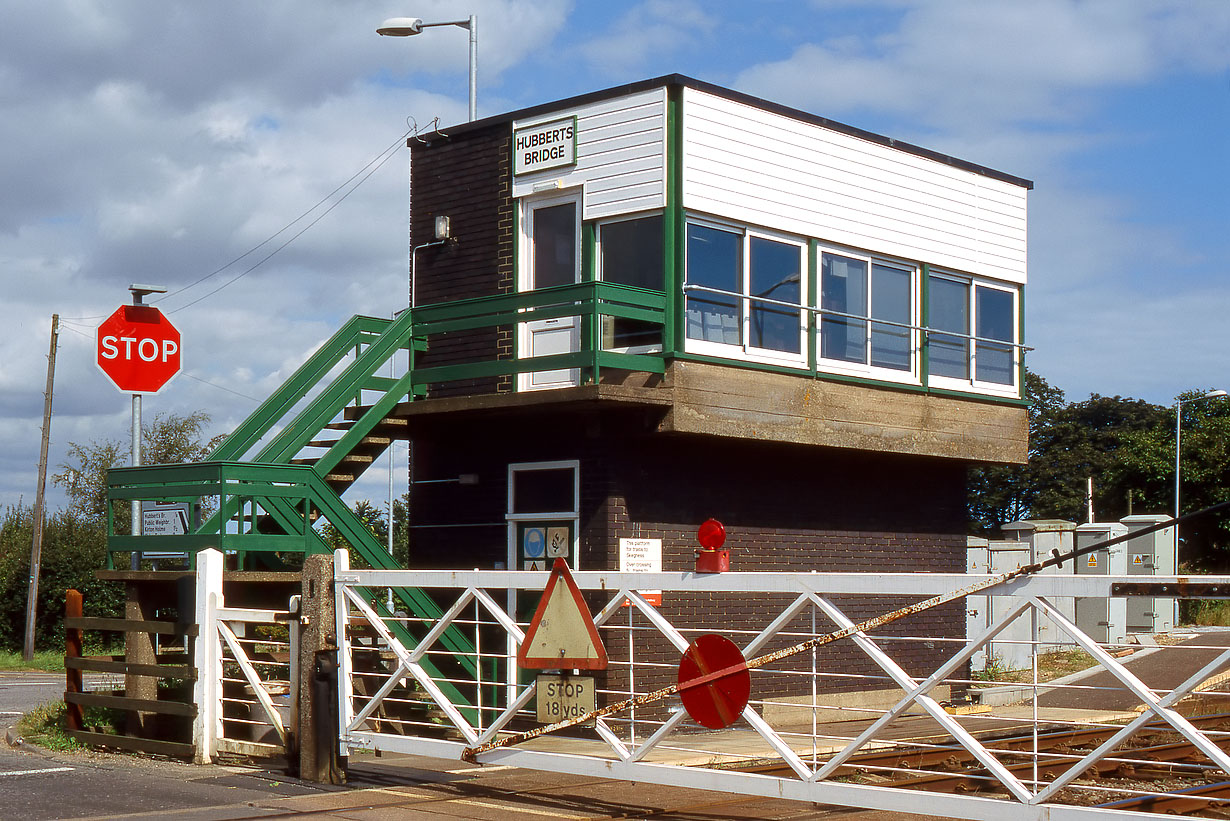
<point>642,556</point>
<point>164,518</point>
<point>549,145</point>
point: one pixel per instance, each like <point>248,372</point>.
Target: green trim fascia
<point>924,313</point>
<point>813,291</point>
<point>589,252</point>
<point>673,232</point>
<point>823,376</point>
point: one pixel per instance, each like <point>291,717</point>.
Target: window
<point>554,233</point>
<point>630,252</point>
<point>745,290</point>
<point>860,297</point>
<point>715,260</point>
<point>542,513</point>
<point>775,272</point>
<point>980,321</point>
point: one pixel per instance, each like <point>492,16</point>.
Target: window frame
<point>866,369</point>
<point>971,381</point>
<point>573,514</point>
<point>529,205</point>
<point>745,350</point>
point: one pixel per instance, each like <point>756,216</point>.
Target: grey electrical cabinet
<point>1104,620</point>
<point>1152,554</point>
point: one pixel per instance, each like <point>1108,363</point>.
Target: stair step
<point>343,425</point>
<point>321,443</point>
<point>303,460</point>
<point>358,459</point>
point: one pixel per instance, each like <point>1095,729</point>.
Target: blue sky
<point>157,144</point>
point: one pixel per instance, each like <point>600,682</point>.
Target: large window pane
<point>631,253</point>
<point>993,309</point>
<point>775,274</point>
<point>550,490</point>
<point>843,288</point>
<point>890,300</point>
<point>555,245</point>
<point>948,310</point>
<point>714,261</point>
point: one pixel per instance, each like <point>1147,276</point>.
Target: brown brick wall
<point>468,180</point>
<point>785,508</point>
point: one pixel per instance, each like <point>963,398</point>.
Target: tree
<point>372,517</point>
<point>1001,494</point>
<point>1068,443</point>
<point>1146,467</point>
<point>168,439</point>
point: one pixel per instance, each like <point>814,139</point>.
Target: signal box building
<point>668,301</point>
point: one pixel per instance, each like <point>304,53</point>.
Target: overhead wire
<point>362,175</point>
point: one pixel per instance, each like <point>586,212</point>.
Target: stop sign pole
<point>139,352</point>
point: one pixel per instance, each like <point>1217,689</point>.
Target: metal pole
<point>473,67</point>
<point>36,546</point>
<point>1178,439</point>
<point>136,462</point>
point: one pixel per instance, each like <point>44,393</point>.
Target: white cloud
<point>647,30</point>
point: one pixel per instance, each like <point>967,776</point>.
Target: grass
<point>44,726</point>
<point>1051,666</point>
<point>1205,612</point>
<point>47,661</point>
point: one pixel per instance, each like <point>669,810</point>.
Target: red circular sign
<point>714,681</point>
<point>711,534</point>
<point>138,348</point>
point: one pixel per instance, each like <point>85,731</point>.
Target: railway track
<point>1150,763</point>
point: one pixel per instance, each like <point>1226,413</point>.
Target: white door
<point>552,256</point>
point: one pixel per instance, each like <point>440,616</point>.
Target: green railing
<point>588,301</point>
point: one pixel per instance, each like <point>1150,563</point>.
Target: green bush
<point>74,547</point>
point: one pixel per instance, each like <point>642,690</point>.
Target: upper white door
<point>551,241</point>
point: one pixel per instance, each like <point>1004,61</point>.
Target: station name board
<point>543,146</point>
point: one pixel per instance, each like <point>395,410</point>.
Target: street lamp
<point>409,26</point>
<point>1178,447</point>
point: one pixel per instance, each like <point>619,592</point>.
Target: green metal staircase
<point>288,463</point>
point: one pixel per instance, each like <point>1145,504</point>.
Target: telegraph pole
<point>36,549</point>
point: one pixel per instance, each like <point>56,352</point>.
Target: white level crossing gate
<point>814,718</point>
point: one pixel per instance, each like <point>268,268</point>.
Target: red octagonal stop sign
<point>138,348</point>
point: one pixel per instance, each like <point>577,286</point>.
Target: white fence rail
<point>903,692</point>
<point>247,672</point>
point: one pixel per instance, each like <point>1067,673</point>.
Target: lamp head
<point>1218,392</point>
<point>400,27</point>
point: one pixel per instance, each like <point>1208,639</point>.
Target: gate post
<point>207,691</point>
<point>317,759</point>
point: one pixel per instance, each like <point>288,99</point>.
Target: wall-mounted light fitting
<point>442,228</point>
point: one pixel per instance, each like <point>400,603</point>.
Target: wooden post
<point>72,650</point>
<point>40,514</point>
<point>316,636</point>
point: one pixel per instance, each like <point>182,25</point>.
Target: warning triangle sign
<point>562,634</point>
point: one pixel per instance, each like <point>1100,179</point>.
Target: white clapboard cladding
<point>763,168</point>
<point>621,155</point>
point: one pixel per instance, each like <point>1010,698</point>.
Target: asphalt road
<point>37,785</point>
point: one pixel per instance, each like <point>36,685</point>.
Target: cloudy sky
<point>182,144</point>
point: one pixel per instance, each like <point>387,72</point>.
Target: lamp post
<point>1178,449</point>
<point>409,26</point>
